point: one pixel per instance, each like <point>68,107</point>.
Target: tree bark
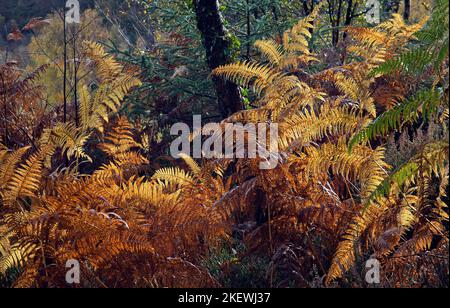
<point>349,13</point>
<point>218,52</point>
<point>407,11</point>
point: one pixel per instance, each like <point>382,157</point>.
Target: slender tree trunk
<point>5,110</point>
<point>334,21</point>
<point>249,30</point>
<point>349,13</point>
<point>407,11</point>
<point>218,52</point>
<point>307,10</point>
<point>75,77</point>
<point>65,69</point>
<point>338,24</point>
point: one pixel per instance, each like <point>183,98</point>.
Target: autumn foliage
<point>88,190</point>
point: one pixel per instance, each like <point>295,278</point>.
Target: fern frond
<point>101,250</point>
<point>26,179</point>
<point>370,38</point>
<point>396,27</point>
<point>347,86</point>
<point>308,126</point>
<point>17,257</point>
<point>412,62</point>
<point>85,108</point>
<point>120,140</point>
<point>296,39</point>
<point>425,103</point>
<point>195,168</point>
<point>108,171</point>
<point>117,90</point>
<point>174,175</point>
<point>249,75</point>
<point>106,66</point>
<point>8,167</point>
<point>3,153</point>
<point>69,138</point>
<point>429,160</point>
<point>148,192</point>
<point>271,50</point>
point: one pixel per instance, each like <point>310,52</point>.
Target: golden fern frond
<point>292,61</point>
<point>5,244</point>
<point>174,175</point>
<point>17,257</point>
<point>85,108</point>
<point>371,38</point>
<point>347,86</point>
<point>108,171</point>
<point>108,97</point>
<point>26,179</point>
<point>373,173</point>
<point>345,255</point>
<point>289,93</point>
<point>115,84</point>
<point>3,153</point>
<point>120,140</point>
<point>271,50</point>
<point>305,127</point>
<point>119,89</point>
<point>8,167</point>
<point>396,27</point>
<point>148,192</point>
<point>431,160</point>
<point>69,138</point>
<point>250,116</point>
<point>106,66</point>
<point>99,112</point>
<point>373,56</point>
<point>296,39</point>
<point>248,74</point>
<point>420,241</point>
<point>363,164</point>
<point>100,250</point>
<point>195,168</point>
<point>357,88</point>
<point>130,160</point>
<point>444,115</point>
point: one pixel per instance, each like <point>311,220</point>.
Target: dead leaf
<point>36,22</point>
<point>16,35</point>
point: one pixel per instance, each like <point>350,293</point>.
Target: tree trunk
<point>407,11</point>
<point>218,52</point>
<point>349,14</point>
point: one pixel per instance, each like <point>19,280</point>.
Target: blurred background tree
<point>47,47</point>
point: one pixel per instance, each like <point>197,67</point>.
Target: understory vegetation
<point>363,146</point>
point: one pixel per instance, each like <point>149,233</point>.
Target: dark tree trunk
<point>334,14</point>
<point>306,9</point>
<point>249,30</point>
<point>349,14</point>
<point>407,11</point>
<point>218,52</point>
<point>65,68</point>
